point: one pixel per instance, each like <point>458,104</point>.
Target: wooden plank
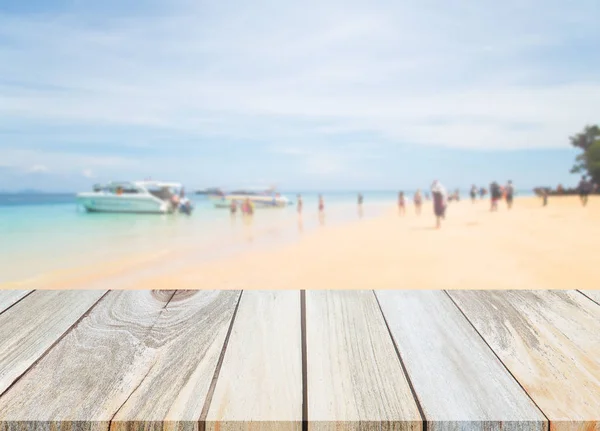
<point>355,379</point>
<point>594,295</point>
<point>260,380</point>
<point>136,358</point>
<point>9,297</point>
<point>550,341</point>
<point>458,380</point>
<point>189,335</point>
<point>31,327</point>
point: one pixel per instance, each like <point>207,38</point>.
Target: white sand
<point>529,247</point>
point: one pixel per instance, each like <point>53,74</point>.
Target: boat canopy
<point>129,187</point>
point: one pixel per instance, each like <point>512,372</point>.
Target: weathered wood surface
<point>457,379</point>
<point>354,377</point>
<point>260,380</point>
<point>550,341</point>
<point>10,297</point>
<point>138,359</point>
<point>188,339</point>
<point>143,360</point>
<point>594,295</point>
<point>31,327</point>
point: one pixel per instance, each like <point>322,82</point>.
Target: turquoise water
<point>43,233</point>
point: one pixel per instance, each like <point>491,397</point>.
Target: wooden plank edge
<point>588,297</point>
<point>316,425</point>
<point>17,301</point>
<point>498,357</point>
<point>213,384</point>
<point>58,340</point>
<point>404,370</point>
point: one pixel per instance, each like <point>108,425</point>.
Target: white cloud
<point>463,74</point>
<point>64,163</point>
<point>87,173</point>
<point>37,169</point>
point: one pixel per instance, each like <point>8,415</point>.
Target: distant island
<point>27,192</point>
<point>210,191</point>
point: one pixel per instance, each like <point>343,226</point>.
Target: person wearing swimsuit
<point>321,210</point>
<point>418,202</point>
<point>360,205</point>
<point>401,203</point>
<point>299,210</point>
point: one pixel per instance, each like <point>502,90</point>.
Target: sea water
<point>42,233</point>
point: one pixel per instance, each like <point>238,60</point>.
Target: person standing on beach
<point>544,197</point>
<point>401,203</point>
<point>299,206</point>
<point>440,201</point>
<point>321,210</point>
<point>248,214</point>
<point>248,208</point>
<point>473,193</point>
<point>360,205</point>
<point>495,195</point>
<point>233,208</point>
<point>585,187</point>
<point>418,199</point>
<point>510,192</point>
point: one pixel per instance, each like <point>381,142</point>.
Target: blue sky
<point>308,95</point>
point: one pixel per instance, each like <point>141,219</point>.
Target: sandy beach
<point>529,247</point>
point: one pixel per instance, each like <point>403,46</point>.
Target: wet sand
<point>528,247</point>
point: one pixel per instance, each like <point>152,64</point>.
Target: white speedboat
<point>142,197</point>
<point>261,198</point>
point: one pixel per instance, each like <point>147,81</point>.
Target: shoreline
<point>529,247</point>
<point>232,239</point>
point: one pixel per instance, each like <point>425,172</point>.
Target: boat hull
<point>128,204</point>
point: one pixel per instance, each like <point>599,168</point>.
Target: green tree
<point>592,161</point>
<point>584,141</point>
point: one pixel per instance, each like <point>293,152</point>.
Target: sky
<point>312,95</point>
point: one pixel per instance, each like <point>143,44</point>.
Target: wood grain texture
<point>189,337</point>
<point>355,379</point>
<point>31,327</point>
<point>9,297</point>
<point>460,383</point>
<point>260,380</point>
<point>594,295</point>
<point>550,341</point>
<point>135,359</point>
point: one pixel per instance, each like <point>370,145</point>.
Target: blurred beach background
<point>46,233</point>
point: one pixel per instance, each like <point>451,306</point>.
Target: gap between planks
<point>499,359</point>
<point>213,383</point>
<point>58,339</point>
<point>592,295</point>
<point>10,298</point>
<point>404,370</point>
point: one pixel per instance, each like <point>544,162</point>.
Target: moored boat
<point>260,197</point>
<point>141,197</point>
